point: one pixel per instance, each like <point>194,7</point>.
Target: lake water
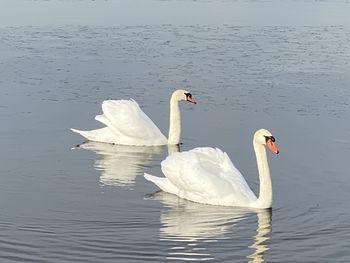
<point>249,64</point>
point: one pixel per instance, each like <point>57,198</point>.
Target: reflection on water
<point>195,225</point>
<point>120,164</point>
<point>262,234</point>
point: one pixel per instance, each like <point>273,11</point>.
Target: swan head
<point>182,94</point>
<point>264,137</point>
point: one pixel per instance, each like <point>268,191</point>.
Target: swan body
<point>127,124</point>
<point>207,175</point>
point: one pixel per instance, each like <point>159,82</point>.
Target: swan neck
<point>173,148</point>
<point>175,122</point>
<point>265,194</point>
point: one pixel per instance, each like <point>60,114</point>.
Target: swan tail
<point>100,135</point>
<point>90,135</point>
<point>163,183</point>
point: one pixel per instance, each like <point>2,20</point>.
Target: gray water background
<point>249,64</point>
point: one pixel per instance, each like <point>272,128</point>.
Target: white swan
<point>207,175</point>
<point>127,124</point>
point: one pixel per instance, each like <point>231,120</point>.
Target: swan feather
<point>126,124</point>
<point>204,175</point>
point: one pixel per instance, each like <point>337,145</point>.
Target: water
<point>91,203</point>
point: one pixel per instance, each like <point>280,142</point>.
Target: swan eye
<point>188,95</point>
<point>269,138</point>
<point>189,98</point>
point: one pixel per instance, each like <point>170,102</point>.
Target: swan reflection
<point>121,164</point>
<point>194,225</point>
<point>262,234</point>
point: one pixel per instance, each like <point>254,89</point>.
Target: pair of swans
<point>204,175</point>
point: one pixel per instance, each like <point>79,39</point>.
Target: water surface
<point>91,203</point>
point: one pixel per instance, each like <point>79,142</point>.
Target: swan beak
<point>272,146</point>
<point>191,99</point>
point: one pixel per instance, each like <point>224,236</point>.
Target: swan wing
<point>163,183</point>
<point>130,124</point>
<point>207,175</point>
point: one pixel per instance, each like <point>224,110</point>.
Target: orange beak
<point>272,146</point>
<point>191,99</point>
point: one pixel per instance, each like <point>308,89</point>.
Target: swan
<point>127,124</point>
<point>207,175</point>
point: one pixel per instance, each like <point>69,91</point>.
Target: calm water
<point>277,70</point>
